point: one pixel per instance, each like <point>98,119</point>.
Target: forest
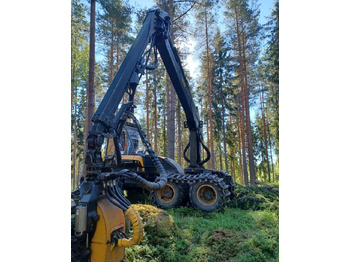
<point>236,84</point>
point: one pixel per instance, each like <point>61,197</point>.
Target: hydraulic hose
<point>120,193</point>
<point>138,229</point>
<point>122,207</point>
<point>184,153</point>
<point>208,154</point>
<point>120,199</point>
<point>163,176</point>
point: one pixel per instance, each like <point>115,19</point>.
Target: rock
<point>155,219</point>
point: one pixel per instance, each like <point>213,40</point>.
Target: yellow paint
<point>134,158</point>
<point>110,219</point>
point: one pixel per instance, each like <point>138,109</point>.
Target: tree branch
<point>185,12</point>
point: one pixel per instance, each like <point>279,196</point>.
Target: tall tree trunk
<point>171,97</point>
<point>232,153</point>
<point>155,117</point>
<point>241,172</point>
<point>233,164</point>
<point>111,67</point>
<point>242,112</point>
<point>90,100</point>
<point>147,106</point>
<point>265,134</point>
<point>245,100</point>
<point>75,146</point>
<point>170,119</point>
<point>179,135</point>
<point>117,55</point>
<point>224,138</point>
<point>209,93</point>
<point>164,136</point>
<point>269,138</point>
<point>73,75</point>
<point>252,171</point>
<point>245,170</point>
<point>220,156</point>
<point>223,122</point>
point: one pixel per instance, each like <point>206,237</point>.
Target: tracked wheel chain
<point>218,178</point>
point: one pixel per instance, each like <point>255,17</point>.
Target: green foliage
<point>270,75</point>
<point>255,198</point>
<point>113,30</point>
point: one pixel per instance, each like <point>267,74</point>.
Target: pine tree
<point>114,27</point>
<point>79,76</point>
<point>204,21</point>
<point>222,77</point>
<point>271,73</point>
<point>245,40</point>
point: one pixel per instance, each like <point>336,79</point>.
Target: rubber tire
<point>197,204</point>
<point>177,201</point>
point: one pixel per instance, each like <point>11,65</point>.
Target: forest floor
<point>246,230</point>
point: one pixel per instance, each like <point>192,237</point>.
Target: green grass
<point>245,231</point>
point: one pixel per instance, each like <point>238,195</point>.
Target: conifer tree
<point>245,40</point>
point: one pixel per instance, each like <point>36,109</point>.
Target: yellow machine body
<point>134,159</point>
<point>110,219</point>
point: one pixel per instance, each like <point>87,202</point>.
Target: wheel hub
<point>166,194</point>
<point>207,195</point>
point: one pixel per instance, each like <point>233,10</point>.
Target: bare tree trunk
<point>75,146</point>
<point>179,134</point>
<point>117,55</point>
<point>245,98</point>
<point>224,138</point>
<point>238,128</point>
<point>265,134</point>
<point>233,164</point>
<point>170,119</point>
<point>269,138</point>
<point>79,173</point>
<point>171,98</point>
<point>211,144</point>
<point>147,106</point>
<point>111,67</point>
<point>220,156</point>
<point>232,153</point>
<point>245,170</point>
<point>252,171</point>
<point>223,123</point>
<point>164,135</point>
<point>90,100</point>
<point>73,76</point>
<point>155,116</point>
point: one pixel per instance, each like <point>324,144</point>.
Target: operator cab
<point>130,142</point>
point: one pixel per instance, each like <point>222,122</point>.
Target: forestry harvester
<point>120,157</point>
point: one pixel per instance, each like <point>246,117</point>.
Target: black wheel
<point>172,195</point>
<point>206,197</point>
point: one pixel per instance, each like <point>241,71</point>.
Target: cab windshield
<point>130,142</point>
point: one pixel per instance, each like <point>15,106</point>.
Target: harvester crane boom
<point>155,30</point>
